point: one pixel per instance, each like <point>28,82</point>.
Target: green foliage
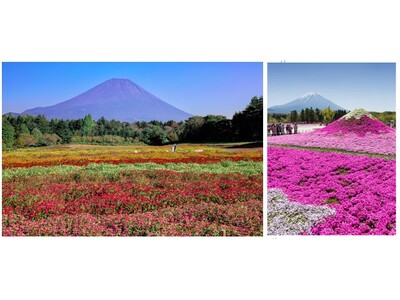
<point>102,140</point>
<point>328,114</point>
<point>173,136</point>
<point>53,125</point>
<point>331,200</point>
<point>294,116</point>
<point>338,114</point>
<point>307,115</point>
<point>26,140</point>
<point>192,129</point>
<point>24,129</point>
<point>42,124</point>
<point>278,118</point>
<point>385,117</point>
<point>319,116</point>
<point>38,135</point>
<point>63,131</point>
<point>216,128</point>
<point>246,125</point>
<point>51,139</point>
<point>112,171</point>
<point>302,116</point>
<point>154,135</point>
<point>8,134</point>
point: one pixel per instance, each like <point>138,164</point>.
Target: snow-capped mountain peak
<point>311,99</point>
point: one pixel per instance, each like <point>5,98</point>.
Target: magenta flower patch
<point>362,134</point>
<point>369,143</point>
<point>355,132</point>
<point>361,190</point>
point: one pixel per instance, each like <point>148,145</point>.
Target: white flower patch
<point>357,114</point>
<point>291,218</point>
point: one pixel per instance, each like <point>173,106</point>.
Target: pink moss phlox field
<point>362,190</point>
<point>358,135</point>
<point>370,143</point>
<point>360,127</point>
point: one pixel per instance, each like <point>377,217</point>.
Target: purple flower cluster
<point>362,190</point>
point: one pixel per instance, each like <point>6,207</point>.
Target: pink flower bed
<point>359,135</point>
<point>371,143</point>
<point>362,190</point>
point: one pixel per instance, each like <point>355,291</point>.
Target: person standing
<point>274,129</point>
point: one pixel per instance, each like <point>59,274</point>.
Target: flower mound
<point>360,126</point>
<point>290,218</point>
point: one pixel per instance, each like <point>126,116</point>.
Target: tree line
<point>28,130</point>
<point>308,115</point>
<point>386,116</point>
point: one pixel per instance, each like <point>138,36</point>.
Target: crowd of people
<point>281,129</point>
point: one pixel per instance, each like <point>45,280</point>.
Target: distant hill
<point>119,99</point>
<point>313,100</point>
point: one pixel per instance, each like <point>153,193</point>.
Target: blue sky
<point>350,85</point>
<point>197,88</point>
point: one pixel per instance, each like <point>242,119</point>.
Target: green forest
<point>385,117</point>
<point>33,131</point>
<point>325,116</point>
<point>308,115</point>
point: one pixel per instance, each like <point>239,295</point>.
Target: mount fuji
<point>118,99</point>
<point>309,100</point>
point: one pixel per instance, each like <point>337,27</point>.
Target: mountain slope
<point>313,100</point>
<point>119,99</point>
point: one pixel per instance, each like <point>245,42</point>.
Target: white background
<point>200,268</point>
